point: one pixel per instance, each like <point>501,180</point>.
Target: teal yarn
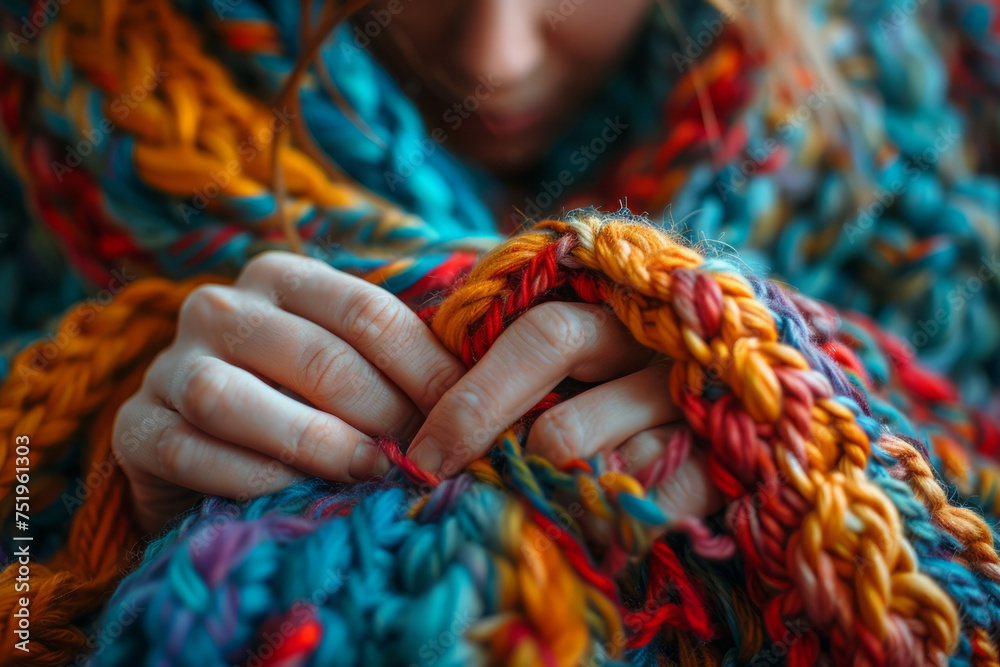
<point>382,587</point>
<point>376,587</point>
<point>912,242</point>
<point>831,246</point>
<point>403,164</point>
<point>977,597</point>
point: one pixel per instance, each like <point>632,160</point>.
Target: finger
<point>182,454</point>
<point>535,353</point>
<point>368,318</point>
<point>686,490</point>
<point>233,405</point>
<point>603,417</point>
<point>654,454</point>
<point>250,332</point>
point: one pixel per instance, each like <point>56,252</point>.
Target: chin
<point>504,155</point>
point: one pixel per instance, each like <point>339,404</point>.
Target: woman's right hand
<point>287,372</point>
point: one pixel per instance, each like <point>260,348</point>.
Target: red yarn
<point>672,598</point>
<point>390,446</point>
<point>288,648</point>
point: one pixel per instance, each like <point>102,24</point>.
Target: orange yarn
<point>812,550</point>
<point>100,367</point>
<point>810,536</point>
<point>204,117</point>
<point>970,528</point>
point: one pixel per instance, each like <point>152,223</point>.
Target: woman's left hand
<point>630,411</point>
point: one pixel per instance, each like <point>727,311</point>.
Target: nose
<point>505,38</point>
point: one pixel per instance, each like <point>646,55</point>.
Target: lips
<point>512,123</point>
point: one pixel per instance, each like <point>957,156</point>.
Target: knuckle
<point>137,421</point>
<point>560,431</point>
<point>175,451</point>
<point>201,389</point>
<point>371,313</point>
<point>467,408</point>
<point>557,326</point>
<point>206,303</point>
<point>638,445</point>
<point>327,370</point>
<point>264,267</point>
<point>438,382</point>
<point>278,269</point>
<point>316,430</point>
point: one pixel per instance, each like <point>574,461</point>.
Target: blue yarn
<point>390,584</point>
<point>342,565</point>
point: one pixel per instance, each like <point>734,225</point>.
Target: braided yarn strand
<point>52,391</point>
<point>183,182</point>
<point>506,546</point>
<point>779,410</point>
<point>51,400</point>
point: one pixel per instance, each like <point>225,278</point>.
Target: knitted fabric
<point>846,543</point>
<point>855,478</point>
<point>867,212</point>
<point>879,194</point>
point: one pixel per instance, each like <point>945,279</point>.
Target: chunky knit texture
<point>179,139</point>
<point>846,541</point>
<point>869,189</point>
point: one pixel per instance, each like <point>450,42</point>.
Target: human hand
<point>285,372</point>
<point>630,412</point>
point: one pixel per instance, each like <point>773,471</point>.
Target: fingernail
<point>426,455</point>
<point>368,460</point>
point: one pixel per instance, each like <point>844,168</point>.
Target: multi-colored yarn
<point>845,543</point>
<point>765,171</point>
<point>185,183</point>
<point>855,478</point>
<point>874,190</point>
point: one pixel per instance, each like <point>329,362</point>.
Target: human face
<point>500,79</point>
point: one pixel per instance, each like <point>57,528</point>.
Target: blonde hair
<point>785,34</point>
<point>793,49</point>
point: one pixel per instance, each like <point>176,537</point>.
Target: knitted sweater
<point>854,447</point>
